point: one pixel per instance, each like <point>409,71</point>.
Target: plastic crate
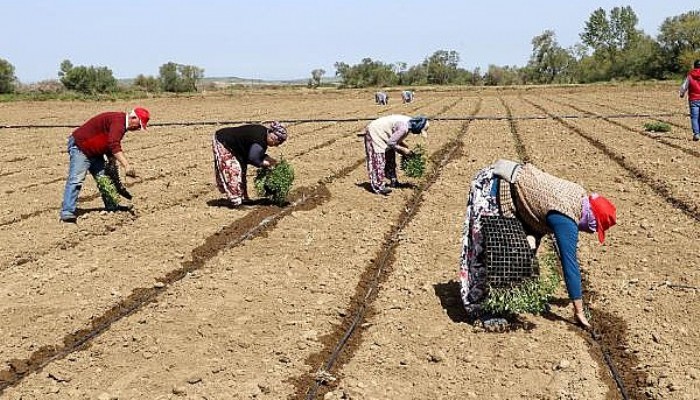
<point>507,254</point>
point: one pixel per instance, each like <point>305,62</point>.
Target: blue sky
<point>266,39</point>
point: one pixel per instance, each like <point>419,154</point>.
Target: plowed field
<point>343,294</point>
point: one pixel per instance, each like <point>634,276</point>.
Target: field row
<point>256,318</point>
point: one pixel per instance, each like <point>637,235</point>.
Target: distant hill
<point>233,80</point>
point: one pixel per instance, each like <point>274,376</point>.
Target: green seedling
<point>657,126</point>
<point>414,165</point>
<point>531,296</point>
<point>108,191</point>
<point>275,182</point>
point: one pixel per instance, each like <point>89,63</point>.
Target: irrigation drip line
<point>613,370</point>
<point>125,309</point>
<point>619,382</point>
<point>522,153</point>
<point>318,120</point>
<point>323,373</point>
<point>679,286</point>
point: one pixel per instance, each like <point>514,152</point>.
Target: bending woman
<point>235,148</point>
<point>544,204</point>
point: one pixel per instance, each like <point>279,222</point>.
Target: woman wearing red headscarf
<point>544,204</point>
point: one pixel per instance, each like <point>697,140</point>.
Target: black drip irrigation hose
<point>316,120</point>
<point>619,382</point>
<point>680,286</point>
<point>322,375</point>
<point>124,310</point>
<point>611,366</point>
<point>522,153</point>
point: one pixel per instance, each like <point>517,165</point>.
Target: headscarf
<point>278,130</point>
<point>587,222</point>
<point>417,124</point>
<point>605,214</point>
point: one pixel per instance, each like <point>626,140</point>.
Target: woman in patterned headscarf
<point>237,147</point>
<point>383,138</point>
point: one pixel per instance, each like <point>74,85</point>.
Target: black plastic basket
<point>508,257</point>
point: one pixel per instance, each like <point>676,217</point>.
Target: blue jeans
<point>566,234</point>
<point>79,165</point>
<point>695,116</point>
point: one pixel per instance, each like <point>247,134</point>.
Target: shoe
<point>696,137</point>
<point>69,220</point>
<point>395,183</point>
<point>120,208</point>
<point>385,191</point>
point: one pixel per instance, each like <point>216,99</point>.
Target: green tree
<point>475,77</point>
<point>465,77</point>
<point>623,22</point>
<point>86,79</point>
<point>147,83</point>
<point>607,36</point>
<point>643,59</point>
<point>65,68</point>
<point>341,70</point>
<point>442,67</point>
<point>679,38</point>
<point>549,62</point>
<point>365,74</point>
<point>190,76</point>
<point>400,71</point>
<point>169,79</point>
<point>179,78</point>
<point>415,75</point>
<point>502,76</point>
<point>316,76</point>
<point>7,77</point>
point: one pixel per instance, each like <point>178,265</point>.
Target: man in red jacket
<point>89,144</point>
<point>691,85</point>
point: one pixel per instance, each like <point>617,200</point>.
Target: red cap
<point>143,115</point>
<point>605,214</point>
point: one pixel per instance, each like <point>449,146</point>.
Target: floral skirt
<point>482,201</point>
<point>380,166</point>
<point>230,177</point>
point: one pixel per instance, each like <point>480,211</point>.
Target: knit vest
<point>537,193</point>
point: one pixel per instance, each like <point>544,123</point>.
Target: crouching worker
<point>407,96</point>
<point>383,138</point>
<point>381,98</point>
<point>88,146</point>
<point>235,148</point>
<point>544,204</point>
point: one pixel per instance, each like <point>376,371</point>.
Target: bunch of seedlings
<point>275,182</point>
<point>108,191</point>
<point>414,164</point>
<point>112,171</point>
<point>532,296</point>
<point>657,126</point>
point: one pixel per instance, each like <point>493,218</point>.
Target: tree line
<point>172,77</point>
<point>612,47</point>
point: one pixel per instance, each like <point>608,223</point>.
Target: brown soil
<point>188,298</point>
